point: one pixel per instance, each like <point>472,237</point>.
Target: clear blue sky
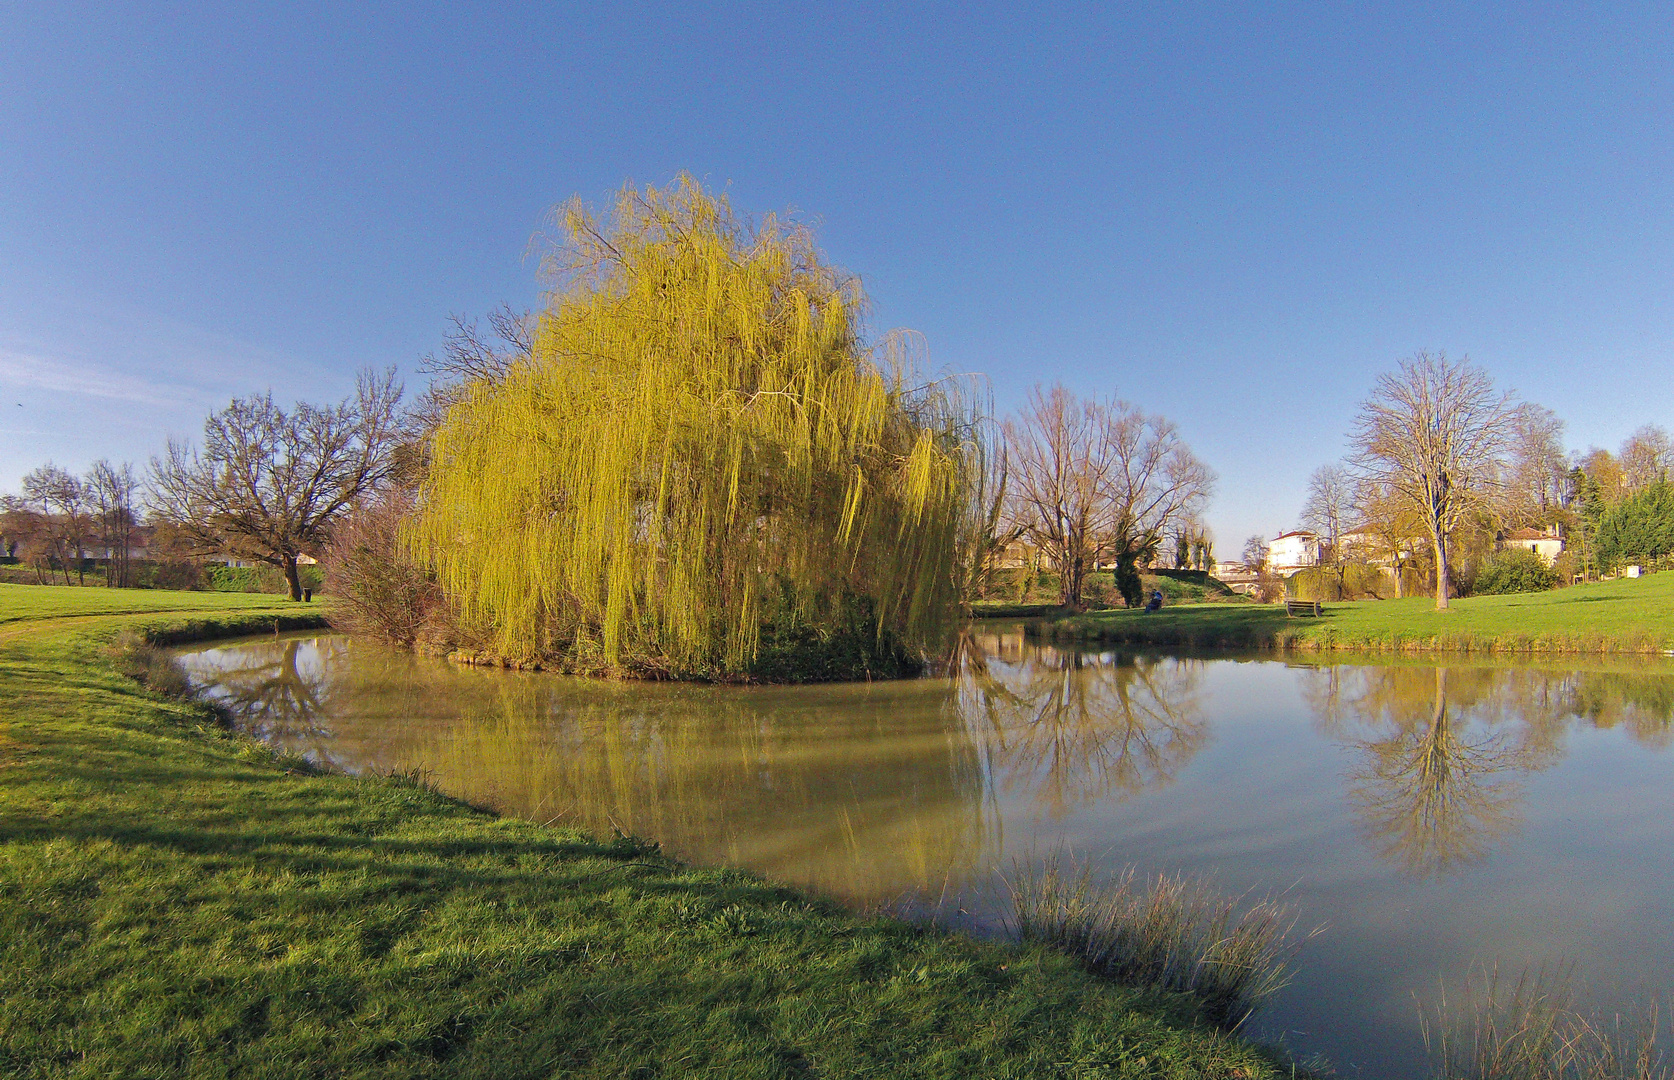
<point>1236,216</point>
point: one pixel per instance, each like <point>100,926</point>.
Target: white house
<point>1548,544</point>
<point>1292,551</point>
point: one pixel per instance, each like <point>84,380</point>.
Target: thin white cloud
<point>25,370</point>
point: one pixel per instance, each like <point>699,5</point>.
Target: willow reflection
<point>863,790</point>
<point>1069,728</point>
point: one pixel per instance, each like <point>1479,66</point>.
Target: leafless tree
<point>268,484</point>
<point>110,491</point>
<point>1327,510</point>
<point>471,355</point>
<point>1646,458</point>
<point>1255,554</point>
<point>21,526</point>
<point>1435,431</point>
<point>63,502</point>
<point>1157,481</point>
<point>1091,476</point>
<point>1063,466</point>
<point>1538,470</point>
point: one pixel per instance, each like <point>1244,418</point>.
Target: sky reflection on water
<point>1434,818</point>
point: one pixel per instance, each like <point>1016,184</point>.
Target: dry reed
<point>1536,1033</point>
<point>1170,932</point>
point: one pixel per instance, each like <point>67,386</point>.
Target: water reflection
<point>269,692</point>
<point>1440,754</point>
<point>869,791</point>
<point>1071,728</point>
<point>1365,790</point>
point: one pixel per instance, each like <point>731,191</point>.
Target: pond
<point>1438,821</point>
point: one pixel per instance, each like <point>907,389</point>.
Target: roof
<point>1297,532</point>
<point>1529,534</point>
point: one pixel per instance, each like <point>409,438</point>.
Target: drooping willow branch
<point>699,443</point>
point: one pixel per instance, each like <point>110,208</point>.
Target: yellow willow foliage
<point>698,445</point>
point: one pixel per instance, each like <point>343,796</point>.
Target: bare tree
<point>110,491</point>
<point>63,503</point>
<point>1255,554</point>
<point>1538,471</point>
<point>1157,481</point>
<point>1646,458</point>
<point>1091,477</point>
<point>1326,512</point>
<point>1434,432</point>
<point>268,484</point>
<point>21,529</point>
<point>1063,463</point>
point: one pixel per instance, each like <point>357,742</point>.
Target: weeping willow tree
<point>700,454</point>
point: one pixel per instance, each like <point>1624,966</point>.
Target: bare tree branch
<point>1434,432</point>
<point>268,484</point>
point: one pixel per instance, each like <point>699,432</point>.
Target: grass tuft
<point>1534,1032</point>
<point>152,666</point>
<point>1169,932</point>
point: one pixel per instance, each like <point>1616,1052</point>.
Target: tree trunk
<point>1443,585</point>
<point>291,579</point>
<point>1070,581</point>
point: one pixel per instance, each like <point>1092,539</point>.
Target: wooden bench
<point>1302,607</point>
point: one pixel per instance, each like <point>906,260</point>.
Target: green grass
<point>1627,615</point>
<point>175,902</point>
<point>31,603</point>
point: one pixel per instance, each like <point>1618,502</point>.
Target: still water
<point>1436,821</point>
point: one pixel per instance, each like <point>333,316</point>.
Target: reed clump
<point>151,665</point>
<point>1168,932</point>
<point>1533,1031</point>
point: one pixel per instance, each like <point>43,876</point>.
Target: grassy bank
<point>1628,616</point>
<point>176,902</point>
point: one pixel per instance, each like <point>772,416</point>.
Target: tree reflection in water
<point>1441,754</point>
<point>1069,728</point>
<point>870,790</point>
<point>268,693</point>
<point>867,790</point>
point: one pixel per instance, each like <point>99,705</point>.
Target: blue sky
<point>1234,215</point>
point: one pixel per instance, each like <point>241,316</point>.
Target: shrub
<point>1514,571</point>
<point>380,591</point>
<point>184,575</point>
<point>1357,582</point>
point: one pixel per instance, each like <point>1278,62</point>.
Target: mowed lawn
<point>1625,615</point>
<point>30,603</point>
<point>176,902</point>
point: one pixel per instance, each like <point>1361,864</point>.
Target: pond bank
<point>1624,616</point>
<point>171,892</point>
